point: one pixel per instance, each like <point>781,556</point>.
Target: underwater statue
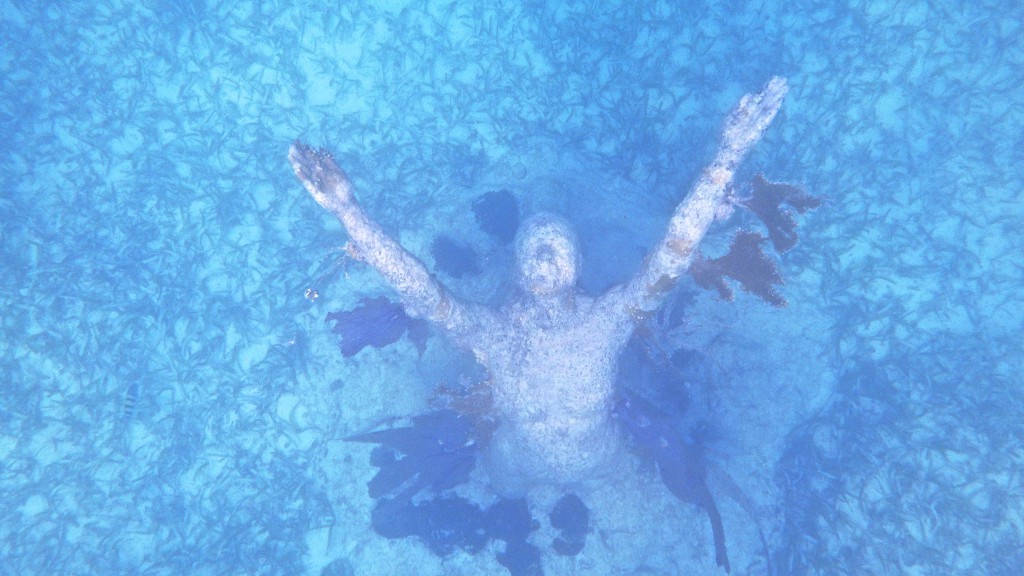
<point>551,351</point>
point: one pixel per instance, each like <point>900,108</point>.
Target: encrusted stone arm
<point>422,295</point>
<point>709,195</point>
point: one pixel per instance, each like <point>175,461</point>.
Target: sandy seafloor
<point>173,403</point>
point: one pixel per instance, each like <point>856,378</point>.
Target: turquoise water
<point>173,399</point>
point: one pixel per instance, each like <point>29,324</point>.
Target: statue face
<point>546,251</point>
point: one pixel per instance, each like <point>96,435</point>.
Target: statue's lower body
<point>552,452</point>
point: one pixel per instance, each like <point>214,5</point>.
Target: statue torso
<point>553,373</point>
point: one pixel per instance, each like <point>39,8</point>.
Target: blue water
<point>173,399</point>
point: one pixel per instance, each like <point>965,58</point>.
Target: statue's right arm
<point>422,295</point>
<point>694,215</point>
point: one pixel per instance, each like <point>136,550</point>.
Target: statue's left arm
<point>708,197</point>
<point>422,295</point>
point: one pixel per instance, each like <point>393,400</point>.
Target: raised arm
<point>422,295</point>
<point>692,218</point>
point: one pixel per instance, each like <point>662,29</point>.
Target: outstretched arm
<point>692,218</point>
<point>422,295</point>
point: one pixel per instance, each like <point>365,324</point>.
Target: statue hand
<point>321,175</point>
<point>752,116</point>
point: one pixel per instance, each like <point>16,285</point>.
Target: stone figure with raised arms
<point>551,350</point>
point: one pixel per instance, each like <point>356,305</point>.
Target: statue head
<point>547,255</point>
